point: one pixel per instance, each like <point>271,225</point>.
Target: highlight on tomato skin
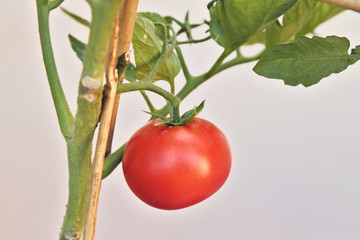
<point>176,167</point>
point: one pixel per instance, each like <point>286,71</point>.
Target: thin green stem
<point>142,85</point>
<point>148,101</point>
<point>184,68</point>
<point>238,52</point>
<point>63,112</point>
<point>112,161</point>
<point>217,67</point>
<point>194,40</point>
<point>214,68</point>
<point>239,59</point>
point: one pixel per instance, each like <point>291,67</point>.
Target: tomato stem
<point>145,85</point>
<point>175,118</point>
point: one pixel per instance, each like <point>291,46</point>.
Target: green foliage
<point>154,17</point>
<point>301,19</point>
<point>321,13</point>
<point>306,60</point>
<point>78,47</point>
<point>234,22</point>
<point>76,17</point>
<point>147,48</point>
<point>293,22</point>
<point>129,73</point>
<point>356,50</point>
<point>187,117</point>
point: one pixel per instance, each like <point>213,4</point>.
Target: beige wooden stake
<point>348,4</point>
<point>127,21</point>
<point>98,162</point>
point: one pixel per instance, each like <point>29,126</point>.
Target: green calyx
<point>175,119</point>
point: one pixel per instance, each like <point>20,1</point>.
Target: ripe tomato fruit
<point>176,167</point>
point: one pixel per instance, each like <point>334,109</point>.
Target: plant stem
<point>175,114</point>
<point>194,40</point>
<point>112,161</point>
<point>239,59</point>
<point>87,117</point>
<point>184,68</point>
<point>147,100</point>
<point>63,112</point>
<point>142,85</point>
<point>218,67</point>
<point>79,155</point>
<point>213,70</point>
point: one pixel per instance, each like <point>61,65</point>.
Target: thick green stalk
<point>63,112</point>
<point>79,160</point>
<point>87,116</point>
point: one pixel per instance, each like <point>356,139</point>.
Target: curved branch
<point>143,85</point>
<point>63,112</point>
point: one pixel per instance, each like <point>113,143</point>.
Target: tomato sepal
<point>187,117</point>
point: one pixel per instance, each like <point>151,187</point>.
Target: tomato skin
<point>176,167</point>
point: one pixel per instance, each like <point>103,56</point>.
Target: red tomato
<point>176,167</point>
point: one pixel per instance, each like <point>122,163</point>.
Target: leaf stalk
<point>64,115</point>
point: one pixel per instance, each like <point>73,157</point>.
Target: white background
<point>296,155</point>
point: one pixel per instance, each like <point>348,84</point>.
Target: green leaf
<point>184,119</point>
<point>321,13</point>
<point>356,50</point>
<point>189,115</point>
<point>156,115</point>
<point>154,17</point>
<point>234,22</point>
<point>293,22</point>
<point>78,47</point>
<point>260,37</point>
<point>129,73</point>
<point>306,60</point>
<point>76,17</point>
<point>147,49</point>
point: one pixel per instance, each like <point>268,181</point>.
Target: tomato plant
<point>172,167</point>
